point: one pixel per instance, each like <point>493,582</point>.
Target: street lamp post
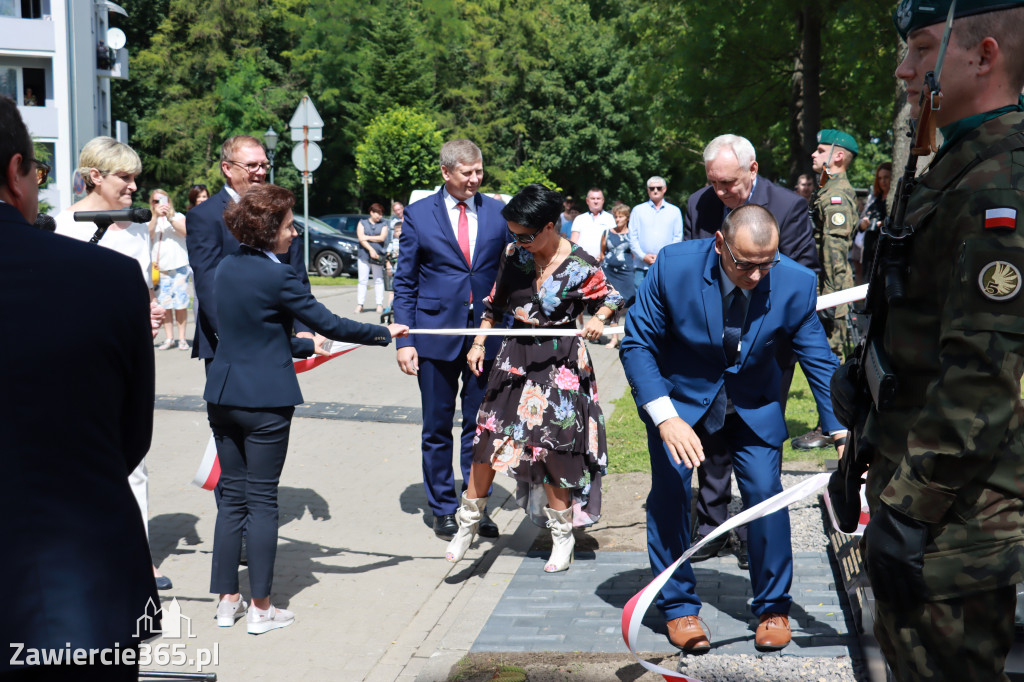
<point>270,139</point>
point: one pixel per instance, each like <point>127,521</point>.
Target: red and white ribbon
<point>633,613</point>
<point>208,472</point>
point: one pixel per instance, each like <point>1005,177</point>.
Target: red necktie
<point>463,231</point>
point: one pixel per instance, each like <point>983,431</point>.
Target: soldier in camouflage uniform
<point>834,211</point>
<point>945,544</point>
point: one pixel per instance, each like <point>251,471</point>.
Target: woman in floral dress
<point>540,421</point>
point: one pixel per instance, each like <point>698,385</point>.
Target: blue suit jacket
<point>208,241</point>
<point>433,281</point>
<point>796,232</point>
<point>259,299</point>
<point>76,564</point>
<point>673,340</point>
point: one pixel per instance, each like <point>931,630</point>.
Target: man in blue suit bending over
<point>447,263</point>
<point>699,354</point>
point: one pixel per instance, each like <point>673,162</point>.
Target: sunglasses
<point>659,188</point>
<point>42,172</point>
<point>523,238</point>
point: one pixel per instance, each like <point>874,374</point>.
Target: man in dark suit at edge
<point>447,262</point>
<point>730,163</point>
<point>76,565</point>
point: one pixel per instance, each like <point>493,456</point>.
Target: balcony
<point>40,121</point>
<point>27,35</point>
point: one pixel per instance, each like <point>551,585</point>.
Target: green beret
<point>839,139</point>
<point>911,15</point>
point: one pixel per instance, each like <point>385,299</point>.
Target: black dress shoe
<point>163,582</point>
<point>812,440</point>
<point>445,526</point>
<point>487,528</point>
<point>709,550</point>
<point>742,555</point>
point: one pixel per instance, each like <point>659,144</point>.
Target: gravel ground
<point>808,535</point>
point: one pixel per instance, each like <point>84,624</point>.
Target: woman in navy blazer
<point>252,391</point>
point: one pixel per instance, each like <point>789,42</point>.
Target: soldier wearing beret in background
<point>834,213</point>
<point>945,545</point>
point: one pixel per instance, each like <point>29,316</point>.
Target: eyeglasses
<point>523,238</point>
<point>746,266</point>
<point>252,167</point>
<point>42,172</point>
<point>659,188</point>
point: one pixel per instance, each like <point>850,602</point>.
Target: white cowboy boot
<point>468,517</point>
<point>562,540</point>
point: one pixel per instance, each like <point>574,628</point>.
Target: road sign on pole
<point>307,128</point>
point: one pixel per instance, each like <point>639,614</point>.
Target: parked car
<point>346,223</point>
<point>331,252</point>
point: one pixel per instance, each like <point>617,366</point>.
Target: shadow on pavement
<point>293,503</point>
<point>167,531</point>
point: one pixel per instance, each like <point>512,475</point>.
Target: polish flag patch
<point>837,200</point>
<point>1005,218</point>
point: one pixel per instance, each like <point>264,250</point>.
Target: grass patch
<point>331,281</point>
<point>627,436</point>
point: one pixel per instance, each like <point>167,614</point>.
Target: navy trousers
<point>714,477</point>
<point>251,445</point>
<point>439,382</point>
<point>668,518</point>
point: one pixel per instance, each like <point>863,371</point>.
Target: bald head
<point>757,221</point>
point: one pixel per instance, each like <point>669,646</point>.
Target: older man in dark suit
<point>447,263</point>
<point>730,163</point>
<point>76,568</point>
<point>243,162</point>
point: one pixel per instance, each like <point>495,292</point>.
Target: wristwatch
<point>602,317</point>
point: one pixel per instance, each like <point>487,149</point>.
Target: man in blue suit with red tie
<point>447,263</point>
<point>699,354</point>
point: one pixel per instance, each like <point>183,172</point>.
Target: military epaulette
<point>1001,218</point>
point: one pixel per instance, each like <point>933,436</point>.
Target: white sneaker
<point>259,621</point>
<point>229,611</point>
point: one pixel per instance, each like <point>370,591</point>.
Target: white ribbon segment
<point>634,612</point>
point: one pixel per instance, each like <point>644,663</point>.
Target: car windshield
<point>318,226</point>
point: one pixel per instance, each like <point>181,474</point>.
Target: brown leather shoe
<point>686,634</point>
<point>773,632</point>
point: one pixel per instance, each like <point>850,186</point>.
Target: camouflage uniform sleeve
<point>837,221</point>
<point>973,406</point>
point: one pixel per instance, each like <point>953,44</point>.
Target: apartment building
<point>57,58</point>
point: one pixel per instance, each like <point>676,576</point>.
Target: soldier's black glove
<point>828,320</point>
<point>843,388</point>
<point>894,558</point>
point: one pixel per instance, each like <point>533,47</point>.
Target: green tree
<point>524,175</point>
<point>399,153</point>
<point>211,70</point>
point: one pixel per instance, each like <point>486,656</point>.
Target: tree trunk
<point>805,97</point>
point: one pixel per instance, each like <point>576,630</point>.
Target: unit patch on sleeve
<point>999,281</point>
<point>838,219</point>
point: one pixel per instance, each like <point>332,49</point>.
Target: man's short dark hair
<point>256,218</point>
<point>14,139</point>
<point>534,206</point>
<point>758,219</point>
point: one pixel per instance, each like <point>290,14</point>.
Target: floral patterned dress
<point>540,420</point>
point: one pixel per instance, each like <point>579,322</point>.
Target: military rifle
<point>866,379</point>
